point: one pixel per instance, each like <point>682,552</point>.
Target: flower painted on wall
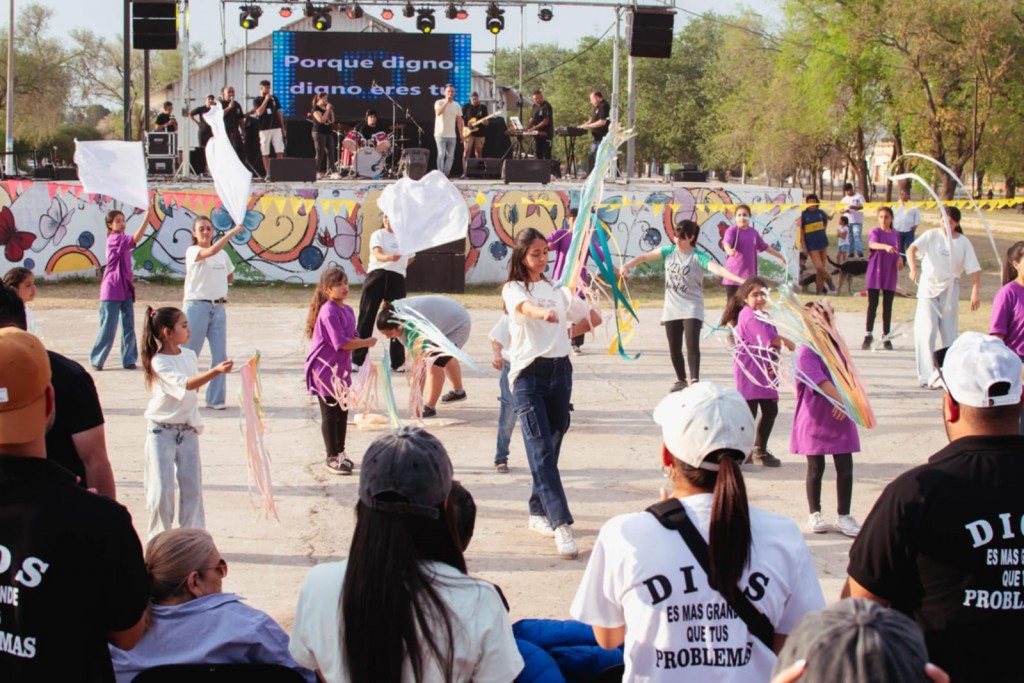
<point>15,243</point>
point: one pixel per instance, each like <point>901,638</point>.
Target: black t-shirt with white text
<point>945,545</point>
<point>474,111</point>
<point>541,112</point>
<point>71,571</point>
<point>268,120</point>
<point>77,410</point>
<point>602,112</point>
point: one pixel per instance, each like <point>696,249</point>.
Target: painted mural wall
<point>292,232</point>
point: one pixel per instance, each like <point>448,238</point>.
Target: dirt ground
<point>610,458</point>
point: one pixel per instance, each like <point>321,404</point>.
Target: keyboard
<point>571,131</point>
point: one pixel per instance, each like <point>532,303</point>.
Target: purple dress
<point>335,327</point>
<point>117,283</point>
<point>882,265</point>
<point>1008,316</point>
<point>748,244</point>
<point>815,430</point>
<point>754,364</point>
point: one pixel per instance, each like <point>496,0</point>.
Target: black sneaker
<point>764,458</point>
<point>428,412</point>
<point>339,464</point>
<point>868,341</point>
<point>887,346</point>
<point>454,395</point>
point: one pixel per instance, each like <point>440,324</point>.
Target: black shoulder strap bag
<point>672,515</point>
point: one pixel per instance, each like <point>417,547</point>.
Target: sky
<point>568,26</point>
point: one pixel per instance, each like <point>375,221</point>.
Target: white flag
<point>425,213</point>
<point>115,169</point>
<point>230,176</point>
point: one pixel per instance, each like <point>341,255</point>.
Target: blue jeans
<point>172,452</point>
<point>445,153</point>
<point>592,155</point>
<point>541,397</point>
<point>906,239</point>
<point>110,311</point>
<point>209,321</point>
<point>856,238</point>
<point>506,416</point>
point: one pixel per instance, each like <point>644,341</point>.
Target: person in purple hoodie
<point>820,428</point>
<point>117,294</point>
<point>884,265</point>
<point>742,244</point>
<point>755,361</point>
<point>331,328</point>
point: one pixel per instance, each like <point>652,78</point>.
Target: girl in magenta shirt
<point>755,359</point>
<point>742,244</point>
<point>820,428</point>
<point>884,265</point>
<point>1008,307</point>
<point>331,328</point>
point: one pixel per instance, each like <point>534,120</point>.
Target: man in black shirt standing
<point>598,125</point>
<point>267,111</point>
<point>165,121</point>
<point>542,121</point>
<point>233,120</point>
<point>205,131</point>
<point>72,576</point>
<point>944,543</point>
<point>473,142</point>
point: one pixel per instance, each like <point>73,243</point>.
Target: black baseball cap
<point>410,464</point>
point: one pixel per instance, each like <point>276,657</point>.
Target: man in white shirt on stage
<point>447,129</point>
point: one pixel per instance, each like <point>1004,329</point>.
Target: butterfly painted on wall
<point>53,225</point>
<point>12,240</point>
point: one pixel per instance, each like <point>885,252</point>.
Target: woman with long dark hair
<point>401,608</point>
<point>700,586</point>
<point>540,374</point>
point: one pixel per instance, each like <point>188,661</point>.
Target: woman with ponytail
<point>716,606</point>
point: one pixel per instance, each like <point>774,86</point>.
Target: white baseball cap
<point>973,365</point>
<point>702,419</point>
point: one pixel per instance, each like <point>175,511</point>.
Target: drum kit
<point>373,157</point>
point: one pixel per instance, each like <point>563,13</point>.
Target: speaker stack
<point>161,153</point>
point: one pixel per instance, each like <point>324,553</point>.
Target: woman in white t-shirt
<point>645,588</point>
<point>401,607</point>
<point>541,376</point>
<point>385,281</point>
<point>208,270</point>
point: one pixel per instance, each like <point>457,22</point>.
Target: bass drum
<point>368,163</point>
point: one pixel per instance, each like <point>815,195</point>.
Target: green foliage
<point>62,140</point>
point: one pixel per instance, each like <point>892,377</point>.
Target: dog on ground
<point>848,270</point>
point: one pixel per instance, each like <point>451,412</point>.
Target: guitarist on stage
<point>473,144</point>
<point>543,122</point>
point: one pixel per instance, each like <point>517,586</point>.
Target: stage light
<point>495,18</point>
<point>285,12</point>
<point>425,20</point>
<point>450,12</point>
<point>408,11</point>
<point>387,14</point>
<point>545,14</point>
<point>322,19</point>
<point>250,16</point>
<point>355,11</point>
<point>462,13</point>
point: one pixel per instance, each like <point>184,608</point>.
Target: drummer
<point>373,135</point>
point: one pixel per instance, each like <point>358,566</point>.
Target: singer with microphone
<point>267,111</point>
<point>233,121</point>
<point>165,120</point>
<point>323,119</point>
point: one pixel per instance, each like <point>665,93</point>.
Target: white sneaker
<point>539,524</point>
<point>816,523</point>
<point>847,525</point>
<point>564,543</point>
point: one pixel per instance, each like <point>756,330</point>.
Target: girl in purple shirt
<point>884,265</point>
<point>1008,307</point>
<point>117,294</point>
<point>754,362</point>
<point>742,244</point>
<point>331,328</point>
<point>820,428</point>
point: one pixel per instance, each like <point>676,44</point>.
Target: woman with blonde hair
<point>191,621</point>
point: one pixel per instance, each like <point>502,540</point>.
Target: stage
<point>295,230</point>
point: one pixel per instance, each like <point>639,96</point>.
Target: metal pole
<point>522,43</point>
<point>224,45</point>
<point>184,129</point>
<point>9,167</point>
<point>615,65</point>
<point>145,89</point>
<point>631,94</point>
<point>127,58</point>
<point>975,190</point>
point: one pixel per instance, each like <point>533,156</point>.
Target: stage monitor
<point>355,70</point>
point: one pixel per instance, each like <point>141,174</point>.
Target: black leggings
<point>769,411</point>
<point>379,286</point>
<point>887,297</point>
<point>730,292</point>
<point>844,481</point>
<point>678,331</point>
<point>333,425</point>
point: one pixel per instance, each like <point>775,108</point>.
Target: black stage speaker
<point>526,171</point>
<point>556,168</point>
<point>292,170</point>
<point>161,144</point>
<point>160,165</point>
<point>649,32</point>
<point>685,176</point>
<point>155,24</point>
<point>300,139</point>
<point>197,159</point>
<point>414,162</point>
<point>439,269</point>
<point>65,173</point>
<point>44,173</point>
<point>484,168</point>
